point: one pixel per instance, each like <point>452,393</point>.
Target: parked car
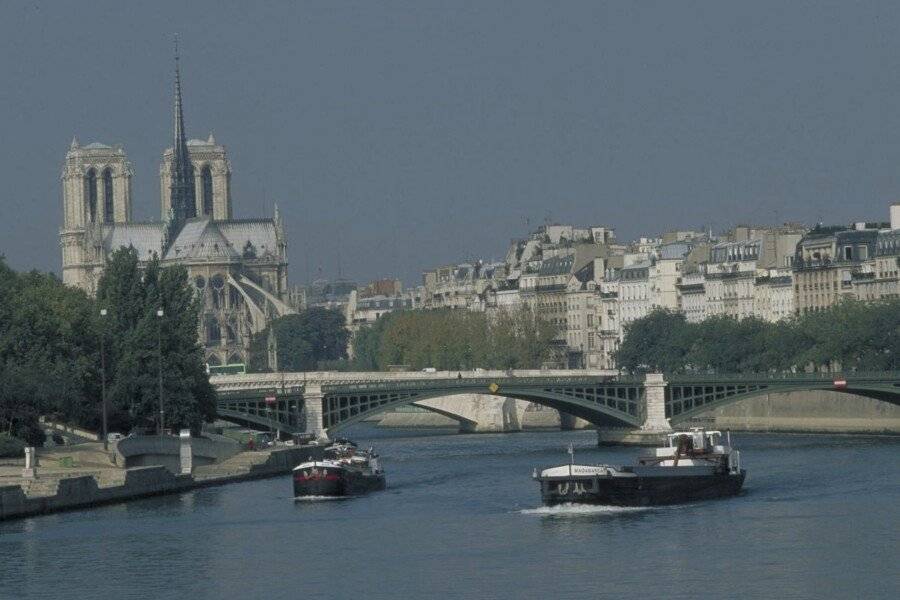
<point>114,437</point>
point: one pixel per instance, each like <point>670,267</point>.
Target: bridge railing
<point>470,384</point>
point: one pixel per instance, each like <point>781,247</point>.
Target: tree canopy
<point>50,339</point>
<point>852,335</point>
<point>48,353</point>
<point>455,340</point>
<point>304,341</point>
<point>135,335</point>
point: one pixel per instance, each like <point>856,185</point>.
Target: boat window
<point>698,440</point>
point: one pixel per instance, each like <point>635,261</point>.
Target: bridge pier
<point>655,426</point>
<point>312,402</point>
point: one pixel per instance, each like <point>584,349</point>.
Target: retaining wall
<point>153,450</point>
<point>813,412</point>
<point>81,492</point>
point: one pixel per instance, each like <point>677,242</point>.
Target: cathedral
<point>238,267</point>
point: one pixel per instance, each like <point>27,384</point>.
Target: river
<point>819,518</point>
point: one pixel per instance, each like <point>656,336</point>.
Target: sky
<point>400,136</point>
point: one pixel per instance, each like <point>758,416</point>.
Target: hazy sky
<point>398,136</point>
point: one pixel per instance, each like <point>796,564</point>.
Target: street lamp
<point>159,315</point>
<point>103,375</point>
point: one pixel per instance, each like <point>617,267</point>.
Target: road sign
<point>840,383</point>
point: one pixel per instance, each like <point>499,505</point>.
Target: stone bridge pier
<point>653,430</point>
<point>312,406</point>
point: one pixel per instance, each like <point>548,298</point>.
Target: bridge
<point>323,403</point>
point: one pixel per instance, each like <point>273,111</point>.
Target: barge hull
<point>339,484</point>
<point>640,490</point>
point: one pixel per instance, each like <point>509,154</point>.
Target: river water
<point>819,518</point>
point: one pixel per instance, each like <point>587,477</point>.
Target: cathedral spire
<point>182,198</point>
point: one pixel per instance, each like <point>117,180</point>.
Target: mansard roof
<point>557,265</point>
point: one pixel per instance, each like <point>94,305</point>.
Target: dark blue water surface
<point>820,518</point>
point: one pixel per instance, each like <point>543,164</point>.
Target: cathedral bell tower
<point>96,183</point>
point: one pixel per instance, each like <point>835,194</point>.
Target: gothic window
<point>218,292</point>
<point>213,332</point>
<point>213,360</point>
<point>207,188</point>
<point>90,192</point>
<point>107,196</point>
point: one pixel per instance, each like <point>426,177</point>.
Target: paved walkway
<point>91,459</point>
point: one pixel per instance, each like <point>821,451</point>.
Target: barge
<point>693,465</point>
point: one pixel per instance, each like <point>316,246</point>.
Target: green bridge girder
<point>601,400</point>
<point>250,408</point>
<point>595,399</point>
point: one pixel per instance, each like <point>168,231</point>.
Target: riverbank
<point>54,490</point>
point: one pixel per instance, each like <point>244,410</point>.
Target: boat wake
<point>319,498</point>
<point>583,509</point>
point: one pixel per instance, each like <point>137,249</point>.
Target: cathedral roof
<point>198,239</point>
<point>147,238</point>
<point>201,239</point>
<point>256,236</point>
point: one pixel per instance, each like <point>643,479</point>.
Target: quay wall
<point>81,492</point>
<point>808,412</point>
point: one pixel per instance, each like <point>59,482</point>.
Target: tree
<point>850,335</point>
<point>138,335</point>
<point>455,340</point>
<point>47,349</point>
<point>658,341</point>
<point>302,340</point>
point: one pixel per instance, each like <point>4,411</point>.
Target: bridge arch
<point>343,408</point>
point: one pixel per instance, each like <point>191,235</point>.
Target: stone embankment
<point>52,492</point>
<point>809,412</point>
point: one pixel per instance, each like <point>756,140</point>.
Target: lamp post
<point>159,315</point>
<point>103,375</point>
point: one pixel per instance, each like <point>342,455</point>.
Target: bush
<point>11,447</point>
